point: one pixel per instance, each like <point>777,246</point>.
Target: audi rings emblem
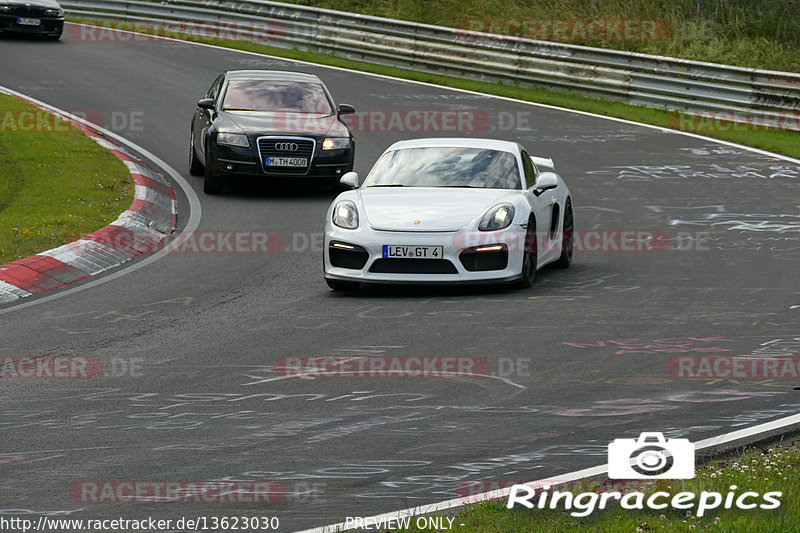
<point>286,147</point>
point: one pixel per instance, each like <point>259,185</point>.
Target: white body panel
<point>447,217</point>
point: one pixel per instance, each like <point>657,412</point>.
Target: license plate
<point>28,22</point>
<point>412,252</point>
<point>286,161</point>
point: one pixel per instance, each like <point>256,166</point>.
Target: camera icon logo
<point>651,457</point>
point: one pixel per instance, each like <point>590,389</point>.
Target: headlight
<point>345,215</point>
<point>233,139</point>
<point>4,9</point>
<point>52,12</point>
<point>498,217</point>
<point>336,143</point>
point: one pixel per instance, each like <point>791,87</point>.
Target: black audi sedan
<point>269,124</point>
<point>42,17</point>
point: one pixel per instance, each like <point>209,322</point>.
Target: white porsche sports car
<point>449,210</point>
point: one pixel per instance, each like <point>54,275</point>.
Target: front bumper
<point>457,265</point>
<point>47,26</point>
<point>233,161</point>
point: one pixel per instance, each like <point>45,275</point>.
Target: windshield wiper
<point>388,185</point>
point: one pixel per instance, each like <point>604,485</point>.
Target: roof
<point>278,75</point>
<point>542,163</point>
<point>456,142</point>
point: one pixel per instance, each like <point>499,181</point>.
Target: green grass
<point>752,33</point>
<point>56,184</point>
<point>753,470</point>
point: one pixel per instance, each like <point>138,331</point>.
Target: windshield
<point>270,95</point>
<point>446,167</point>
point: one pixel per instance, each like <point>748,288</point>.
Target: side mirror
<point>206,103</point>
<point>346,109</point>
<point>350,179</point>
<point>545,182</point>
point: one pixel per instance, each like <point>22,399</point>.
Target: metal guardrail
<point>760,96</point>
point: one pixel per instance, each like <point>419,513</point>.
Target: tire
<point>212,184</point>
<point>196,168</point>
<point>529,260</point>
<point>338,285</point>
<point>567,238</point>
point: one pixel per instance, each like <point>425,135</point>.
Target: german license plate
<point>28,22</point>
<point>286,161</point>
<point>412,252</point>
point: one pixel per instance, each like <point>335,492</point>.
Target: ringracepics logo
<point>649,457</point>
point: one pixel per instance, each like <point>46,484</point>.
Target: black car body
<point>269,124</point>
<point>42,17</point>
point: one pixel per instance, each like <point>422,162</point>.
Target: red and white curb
<point>151,217</point>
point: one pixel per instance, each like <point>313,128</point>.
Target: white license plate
<point>28,22</point>
<point>285,161</point>
<point>412,252</point>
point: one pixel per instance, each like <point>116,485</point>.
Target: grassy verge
<point>776,470</point>
<point>56,184</point>
<point>772,139</point>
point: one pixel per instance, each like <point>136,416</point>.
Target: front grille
<point>413,266</point>
<point>27,11</point>
<point>267,148</point>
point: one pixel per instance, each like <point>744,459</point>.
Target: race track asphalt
<point>188,342</point>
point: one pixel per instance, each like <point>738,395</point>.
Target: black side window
<point>530,172</point>
<point>213,92</point>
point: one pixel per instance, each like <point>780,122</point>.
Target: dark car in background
<point>39,17</point>
<point>269,124</point>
